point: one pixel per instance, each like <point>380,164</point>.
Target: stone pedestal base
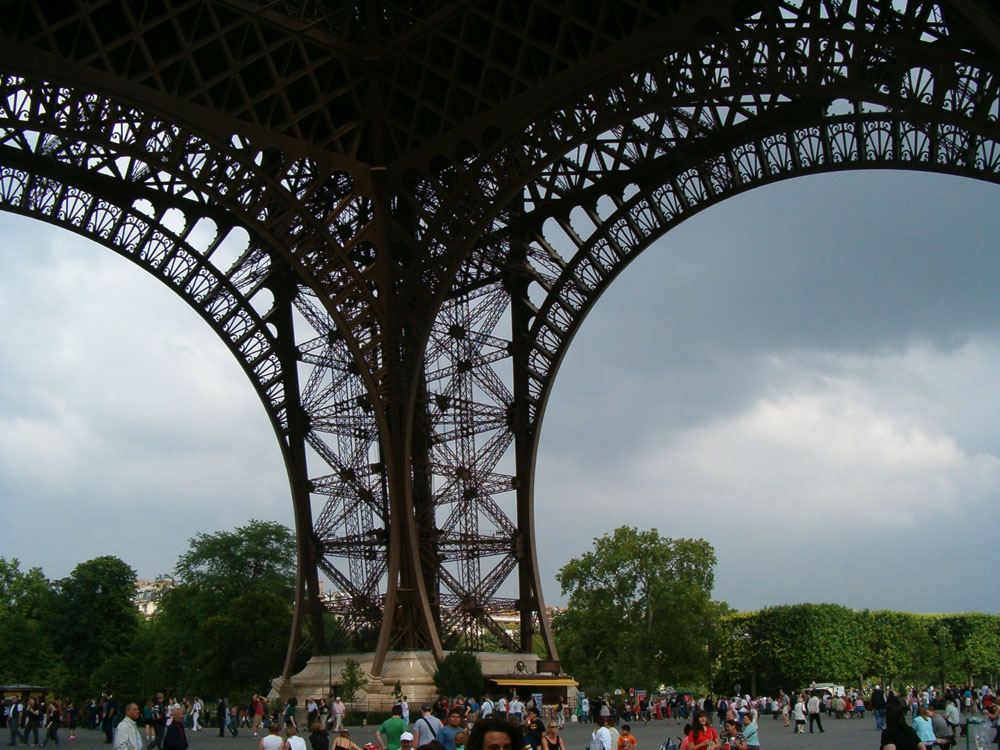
<point>413,669</point>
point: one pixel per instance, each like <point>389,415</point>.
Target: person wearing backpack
<point>601,738</point>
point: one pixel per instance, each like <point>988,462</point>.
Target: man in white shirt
<point>813,706</point>
<point>603,734</point>
<point>339,709</point>
<point>516,709</point>
<point>951,715</point>
<point>585,710</point>
<point>127,732</point>
<point>13,714</point>
<point>487,707</point>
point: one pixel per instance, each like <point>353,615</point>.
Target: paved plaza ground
<point>853,734</point>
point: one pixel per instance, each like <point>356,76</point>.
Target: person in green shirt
<point>289,715</point>
<point>392,729</point>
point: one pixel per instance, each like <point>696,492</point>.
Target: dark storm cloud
<point>804,375</point>
<point>799,369</point>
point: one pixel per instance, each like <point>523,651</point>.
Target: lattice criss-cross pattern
<point>423,202</point>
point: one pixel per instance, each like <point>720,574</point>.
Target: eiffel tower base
<point>414,670</point>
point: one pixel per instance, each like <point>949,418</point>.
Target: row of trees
<point>221,629</point>
<point>640,614</point>
<point>794,645</point>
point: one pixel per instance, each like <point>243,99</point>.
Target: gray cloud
<point>803,375</point>
<point>125,425</point>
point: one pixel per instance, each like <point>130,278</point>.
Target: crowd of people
<point>916,718</point>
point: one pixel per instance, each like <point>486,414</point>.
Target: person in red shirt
<point>703,736</point>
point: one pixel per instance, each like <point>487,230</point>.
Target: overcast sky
<point>805,376</point>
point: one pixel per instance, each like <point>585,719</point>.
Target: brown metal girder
<point>298,479</point>
<point>800,111</point>
<point>355,50</point>
<point>651,41</point>
<point>398,446</point>
<point>119,191</point>
<point>529,579</point>
<point>401,522</point>
<point>818,93</point>
<point>18,58</point>
<point>981,16</point>
<point>512,115</point>
<point>293,261</point>
<point>110,189</point>
<point>327,302</point>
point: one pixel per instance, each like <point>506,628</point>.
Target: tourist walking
<point>196,710</point>
<point>750,732</point>
<point>878,707</point>
<point>110,704</point>
<point>32,719</point>
<point>814,715</point>
<point>52,722</point>
<point>799,712</point>
<point>220,715</point>
<point>339,709</point>
<point>72,715</point>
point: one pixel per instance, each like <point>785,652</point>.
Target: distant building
<point>148,593</point>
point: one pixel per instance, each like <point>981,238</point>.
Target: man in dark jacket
<point>175,739</point>
<point>878,708</point>
<point>220,716</point>
<point>159,721</point>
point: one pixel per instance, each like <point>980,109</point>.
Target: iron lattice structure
<point>397,214</point>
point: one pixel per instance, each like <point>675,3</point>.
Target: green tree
<point>259,555</point>
<point>735,660</point>
<point>223,628</point>
<point>459,673</point>
<point>26,602</point>
<point>640,610</point>
<point>352,681</point>
<point>980,654</point>
<point>93,617</point>
<point>891,641</point>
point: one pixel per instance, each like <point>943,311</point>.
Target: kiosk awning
<point>534,681</point>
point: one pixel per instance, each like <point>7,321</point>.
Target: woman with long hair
<point>703,735</point>
<point>898,735</point>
